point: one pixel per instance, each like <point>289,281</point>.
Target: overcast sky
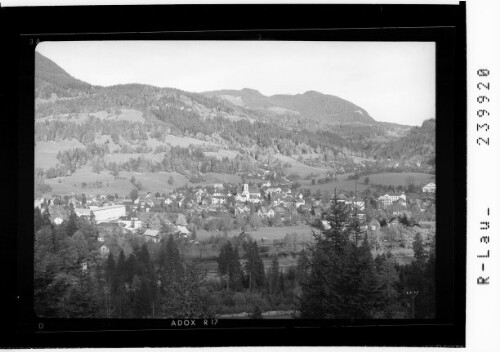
<point>393,81</point>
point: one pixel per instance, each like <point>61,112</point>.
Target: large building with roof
<point>102,214</point>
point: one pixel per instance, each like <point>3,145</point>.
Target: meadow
<point>399,178</point>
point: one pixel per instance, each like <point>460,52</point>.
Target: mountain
<point>142,128</point>
<point>313,105</point>
<point>418,142</point>
<point>52,79</point>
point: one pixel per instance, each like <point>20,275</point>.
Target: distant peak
<point>250,90</point>
<point>313,92</point>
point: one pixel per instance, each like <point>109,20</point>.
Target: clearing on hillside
<point>46,152</point>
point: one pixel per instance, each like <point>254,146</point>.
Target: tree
<point>302,268</point>
<point>254,266</point>
<point>71,224</point>
<point>256,314</point>
<point>134,194</point>
<point>418,248</point>
<point>274,276</point>
<point>229,266</point>
<point>341,281</point>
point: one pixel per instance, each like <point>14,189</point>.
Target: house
<point>240,198</point>
<point>429,188</point>
<point>356,205</point>
<point>102,214</point>
<point>272,190</point>
<point>57,214</point>
<point>387,199</point>
<point>325,224</point>
<point>241,209</point>
<point>130,223</point>
<point>268,212</point>
<point>183,231</point>
<point>152,235</point>
<point>300,202</point>
<point>267,184</point>
<point>218,200</point>
<point>280,211</point>
<point>58,220</point>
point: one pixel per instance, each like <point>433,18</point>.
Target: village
<point>227,208</point>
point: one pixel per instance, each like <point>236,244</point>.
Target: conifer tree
<point>342,276</point>
<point>274,276</point>
<point>254,266</point>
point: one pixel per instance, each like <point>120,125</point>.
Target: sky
<point>392,81</point>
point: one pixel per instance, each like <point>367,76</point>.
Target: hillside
<point>52,79</point>
<point>313,105</point>
<point>140,128</point>
<point>419,144</point>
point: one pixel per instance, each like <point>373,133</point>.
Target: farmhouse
<point>152,235</point>
<point>130,223</point>
<point>387,199</point>
<point>429,188</point>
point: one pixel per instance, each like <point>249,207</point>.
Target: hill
<point>140,128</point>
<point>418,143</point>
<point>52,79</point>
<point>313,105</point>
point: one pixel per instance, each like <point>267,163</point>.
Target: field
<point>300,168</point>
<point>223,153</point>
<point>342,184</point>
<point>121,158</point>
<point>184,141</point>
<point>389,178</point>
<point>399,178</point>
<point>126,115</point>
<point>269,233</point>
<point>152,182</point>
<point>46,152</point>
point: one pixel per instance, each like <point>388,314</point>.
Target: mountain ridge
<point>310,104</point>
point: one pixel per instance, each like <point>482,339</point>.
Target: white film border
<point>483,175</point>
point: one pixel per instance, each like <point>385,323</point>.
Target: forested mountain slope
<point>313,105</point>
<point>136,127</point>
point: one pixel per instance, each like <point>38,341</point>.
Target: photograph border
<point>442,24</point>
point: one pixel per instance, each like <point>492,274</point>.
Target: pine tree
<point>254,266</point>
<point>235,272</point>
<point>342,274</point>
<point>173,269</point>
<point>72,224</point>
<point>224,262</point>
<point>418,249</point>
<point>274,276</point>
<point>302,268</point>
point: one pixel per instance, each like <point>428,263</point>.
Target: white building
<point>250,194</point>
<point>102,214</point>
<point>357,205</point>
<point>387,199</point>
<point>131,224</point>
<point>429,188</point>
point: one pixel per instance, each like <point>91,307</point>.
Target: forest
<point>336,276</point>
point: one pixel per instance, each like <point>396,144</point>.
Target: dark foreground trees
<point>75,278</point>
<point>343,281</point>
<point>337,277</point>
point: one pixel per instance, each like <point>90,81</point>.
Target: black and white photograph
<point>235,180</point>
